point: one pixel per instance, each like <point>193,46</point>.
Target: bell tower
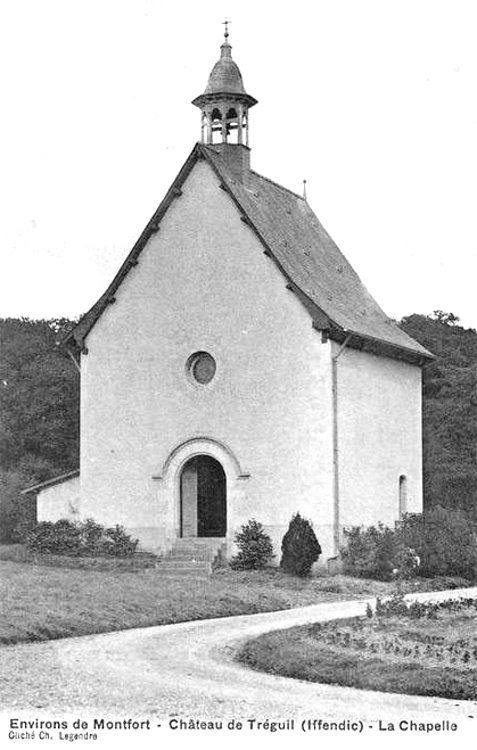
<point>225,104</point>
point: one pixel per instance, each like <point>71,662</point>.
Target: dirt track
<point>188,670</point>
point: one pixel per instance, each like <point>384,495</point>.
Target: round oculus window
<point>201,367</point>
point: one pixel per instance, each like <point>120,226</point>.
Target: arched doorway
<point>203,507</point>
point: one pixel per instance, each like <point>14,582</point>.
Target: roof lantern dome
<point>225,76</point>
<point>225,103</point>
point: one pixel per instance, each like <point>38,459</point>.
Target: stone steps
<point>185,563</point>
<point>190,557</point>
<point>190,572</point>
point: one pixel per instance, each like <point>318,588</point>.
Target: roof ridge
<point>277,184</point>
<point>210,147</point>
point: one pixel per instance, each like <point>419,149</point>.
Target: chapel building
<point>236,367</point>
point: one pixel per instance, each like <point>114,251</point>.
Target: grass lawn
<point>40,602</point>
<point>434,657</point>
<point>55,597</point>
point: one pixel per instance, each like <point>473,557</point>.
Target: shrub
<point>116,542</point>
<point>40,538</point>
<point>371,552</point>
<point>80,539</point>
<point>445,540</point>
<point>439,542</point>
<point>255,547</point>
<point>61,538</point>
<point>91,537</point>
<point>397,606</point>
<point>407,562</point>
<point>300,547</point>
<point>394,606</point>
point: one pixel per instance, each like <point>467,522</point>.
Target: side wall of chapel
<point>379,438</point>
<point>59,501</point>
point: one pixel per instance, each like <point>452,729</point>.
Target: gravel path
<point>188,670</point>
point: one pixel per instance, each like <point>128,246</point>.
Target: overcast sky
<point>373,102</point>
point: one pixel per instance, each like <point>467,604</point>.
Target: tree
<point>300,547</point>
<point>255,549</point>
<point>449,410</point>
<point>39,411</point>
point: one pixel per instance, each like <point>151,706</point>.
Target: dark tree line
<point>449,410</point>
<point>39,411</point>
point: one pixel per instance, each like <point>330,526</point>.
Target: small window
<point>201,367</point>
<point>402,495</point>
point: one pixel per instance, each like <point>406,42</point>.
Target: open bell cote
<point>225,103</point>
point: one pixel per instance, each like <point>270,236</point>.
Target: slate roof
<point>51,482</point>
<point>310,261</point>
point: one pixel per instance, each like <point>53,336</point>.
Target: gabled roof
<point>312,264</point>
<point>51,482</point>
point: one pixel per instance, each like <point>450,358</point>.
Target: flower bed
<point>428,650</point>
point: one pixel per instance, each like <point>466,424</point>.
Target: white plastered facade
<point>203,283</point>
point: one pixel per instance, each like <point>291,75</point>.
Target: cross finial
<point>226,32</point>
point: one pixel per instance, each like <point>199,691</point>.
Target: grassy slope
<point>40,602</point>
<point>55,597</point>
<point>305,653</point>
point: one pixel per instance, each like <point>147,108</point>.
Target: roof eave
<point>374,345</point>
<point>75,339</point>
<point>212,96</point>
<point>51,482</point>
